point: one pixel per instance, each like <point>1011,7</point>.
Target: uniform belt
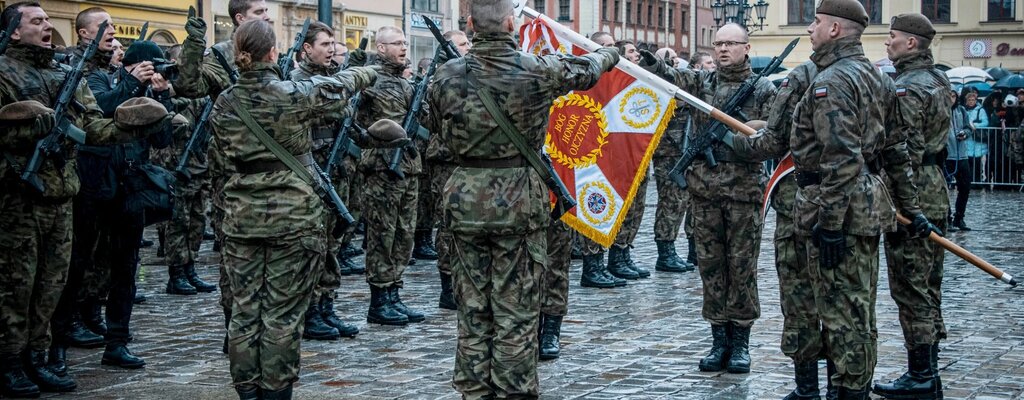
<point>258,167</point>
<point>808,178</point>
<point>323,133</point>
<point>510,162</point>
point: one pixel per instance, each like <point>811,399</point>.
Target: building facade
<point>656,23</point>
<point>166,19</point>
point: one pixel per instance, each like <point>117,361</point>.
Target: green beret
<point>849,9</point>
<point>913,23</point>
<point>23,110</point>
<point>139,112</point>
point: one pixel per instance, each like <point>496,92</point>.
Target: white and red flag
<point>600,140</point>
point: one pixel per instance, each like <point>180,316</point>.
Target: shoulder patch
<point>820,92</point>
<point>901,91</point>
<point>785,82</point>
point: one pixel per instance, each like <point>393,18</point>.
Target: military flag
<point>600,140</point>
<point>784,168</point>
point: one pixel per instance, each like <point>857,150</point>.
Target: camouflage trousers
<point>728,239</point>
<point>673,202</point>
<point>630,225</point>
<point>271,282</point>
<point>390,223</point>
<point>915,280</point>
<point>555,280</point>
<point>845,297</point>
<point>801,330</point>
<point>439,174</point>
<point>90,251</point>
<point>35,252</point>
<point>427,201</point>
<point>217,221</point>
<point>330,269</point>
<point>496,282</point>
<point>183,234</point>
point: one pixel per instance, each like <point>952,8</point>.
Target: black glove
<point>921,227</point>
<point>831,246</point>
<point>651,63</point>
<point>195,27</point>
<point>357,58</point>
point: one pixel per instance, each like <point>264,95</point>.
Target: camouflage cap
<point>386,130</point>
<point>138,112</point>
<point>23,110</point>
<point>913,23</point>
<point>852,10</point>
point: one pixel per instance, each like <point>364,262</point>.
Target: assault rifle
<point>52,146</point>
<point>563,199</point>
<point>341,139</point>
<point>5,36</point>
<point>332,200</point>
<point>285,62</point>
<point>201,133</point>
<point>714,130</point>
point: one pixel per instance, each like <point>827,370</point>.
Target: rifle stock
<point>286,63</point>
<point>410,123</point>
<point>199,135</point>
<point>348,123</point>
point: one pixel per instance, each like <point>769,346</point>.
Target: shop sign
<point>1004,49</point>
<point>977,48</point>
<point>416,20</point>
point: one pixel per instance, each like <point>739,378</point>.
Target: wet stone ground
<point>639,342</point>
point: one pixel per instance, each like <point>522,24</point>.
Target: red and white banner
<point>600,140</point>
<point>784,168</point>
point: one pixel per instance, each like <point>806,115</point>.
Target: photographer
<point>958,166</point>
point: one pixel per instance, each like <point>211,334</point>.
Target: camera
<point>166,68</point>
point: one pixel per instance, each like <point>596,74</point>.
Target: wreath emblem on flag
<point>598,203</point>
<point>578,133</point>
<point>640,107</point>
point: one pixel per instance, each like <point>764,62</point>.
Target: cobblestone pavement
<point>642,341</point>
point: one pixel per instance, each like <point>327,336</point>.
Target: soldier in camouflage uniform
<point>915,264</point>
<point>273,263</point>
<point>352,179</point>
<point>802,339</point>
<point>726,204</point>
<point>389,202</point>
<point>496,205</point>
<point>36,227</point>
<point>673,201</point>
<point>201,75</point>
<point>321,322</point>
<point>839,145</point>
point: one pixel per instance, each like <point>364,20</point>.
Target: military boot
<point>193,279</point>
<point>935,368</point>
<point>92,316</point>
<point>919,382</point>
<point>331,319</point>
<point>344,264</point>
<point>718,357</point>
<point>381,311</point>
<point>592,276</point>
<point>14,382</point>
<point>358,268</point>
<point>628,257</point>
<point>248,391</point>
<point>350,250</point>
<point>668,260</point>
<point>958,222</point>
<point>739,344</point>
<point>315,328</point>
<point>447,298</point>
<point>279,394</point>
<point>806,382</point>
<point>424,248</point>
<point>618,264</point>
<point>551,331</point>
<point>118,355</point>
<point>396,302</point>
<point>57,360</point>
<point>691,253</point>
<point>35,368</point>
<point>77,335</point>
<point>830,371</point>
<point>177,283</point>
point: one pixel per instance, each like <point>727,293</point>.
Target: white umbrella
<point>968,74</point>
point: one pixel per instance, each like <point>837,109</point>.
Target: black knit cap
<point>141,50</point>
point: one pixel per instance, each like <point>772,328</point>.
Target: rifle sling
<point>532,156</point>
<point>283,155</point>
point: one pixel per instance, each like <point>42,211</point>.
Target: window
<point>650,14</point>
<point>874,9</point>
<point>801,12</point>
<point>936,10</point>
<point>661,16</point>
<point>564,13</point>
<point>604,10</point>
<point>539,6</point>
<point>629,12</point>
<point>682,20</point>
<point>1000,10</point>
<point>425,5</point>
<point>639,12</point>
<point>615,12</point>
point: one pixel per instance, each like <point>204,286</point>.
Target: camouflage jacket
<point>734,179</point>
<point>671,144</point>
<point>323,130</point>
<point>501,200</point>
<point>29,73</point>
<point>199,73</point>
<point>389,98</point>
<point>925,111</point>
<point>773,141</point>
<point>168,157</point>
<point>275,204</point>
<point>840,126</point>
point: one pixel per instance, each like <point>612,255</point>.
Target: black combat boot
<point>668,260</point>
<point>193,279</point>
<point>77,335</point>
<point>550,333</point>
<point>592,277</point>
<point>717,359</point>
<point>628,257</point>
<point>850,394</point>
<point>14,382</point>
<point>358,268</point>
<point>739,344</point>
<point>279,394</point>
<point>57,360</point>
<point>327,312</point>
<point>618,264</point>
<point>919,382</point>
<point>315,328</point>
<point>447,298</point>
<point>424,248</point>
<point>806,382</point>
<point>350,250</point>
<point>830,371</point>
<point>396,302</point>
<point>118,355</point>
<point>248,392</point>
<point>92,316</point>
<point>935,368</point>
<point>35,368</point>
<point>177,283</point>
<point>344,264</point>
<point>381,311</point>
<point>691,252</point>
<point>958,222</point>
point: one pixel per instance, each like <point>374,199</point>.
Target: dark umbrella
<point>998,73</point>
<point>1012,82</point>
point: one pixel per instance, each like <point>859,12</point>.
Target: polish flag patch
<point>820,92</point>
<point>901,91</point>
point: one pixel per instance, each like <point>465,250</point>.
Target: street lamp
<point>738,11</point>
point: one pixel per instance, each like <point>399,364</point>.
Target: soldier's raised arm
<point>579,72</point>
<point>199,72</point>
<point>773,140</point>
